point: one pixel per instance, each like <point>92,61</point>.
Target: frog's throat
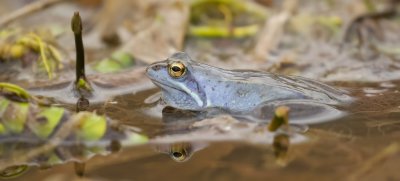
<point>195,96</point>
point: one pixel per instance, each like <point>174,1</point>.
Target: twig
<point>354,27</point>
<point>273,30</point>
<point>76,25</point>
<point>26,10</point>
<point>375,160</point>
<point>81,86</point>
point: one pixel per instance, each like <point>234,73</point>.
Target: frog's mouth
<point>186,91</point>
<point>163,86</point>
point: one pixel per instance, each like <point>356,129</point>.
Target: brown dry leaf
<point>164,36</point>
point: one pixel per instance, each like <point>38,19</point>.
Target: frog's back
<point>309,89</point>
<point>271,87</point>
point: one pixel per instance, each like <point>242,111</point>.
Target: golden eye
<point>176,69</point>
<point>179,155</point>
<point>180,152</point>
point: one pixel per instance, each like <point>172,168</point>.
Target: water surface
<point>362,145</point>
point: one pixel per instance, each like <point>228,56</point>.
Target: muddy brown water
<point>363,145</point>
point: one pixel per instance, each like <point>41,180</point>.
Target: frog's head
<point>176,78</point>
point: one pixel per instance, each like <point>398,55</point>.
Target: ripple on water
<point>301,112</point>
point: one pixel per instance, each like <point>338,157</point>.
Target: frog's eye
<point>176,69</point>
<point>180,152</point>
<point>179,155</point>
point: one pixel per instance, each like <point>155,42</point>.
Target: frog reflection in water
<point>189,85</point>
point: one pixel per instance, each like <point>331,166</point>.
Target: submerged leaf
<point>118,61</point>
<point>15,116</point>
<point>92,126</point>
<point>51,116</point>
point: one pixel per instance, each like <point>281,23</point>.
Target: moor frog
<point>190,85</point>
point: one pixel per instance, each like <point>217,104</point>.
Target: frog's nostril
<point>156,67</point>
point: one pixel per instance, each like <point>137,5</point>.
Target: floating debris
<point>36,48</point>
<point>45,130</point>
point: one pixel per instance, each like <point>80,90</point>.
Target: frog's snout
<point>153,70</point>
<point>153,67</point>
<point>147,69</point>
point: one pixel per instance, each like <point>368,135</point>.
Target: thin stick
<point>26,10</point>
<point>82,86</point>
<point>76,25</point>
<point>273,30</point>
